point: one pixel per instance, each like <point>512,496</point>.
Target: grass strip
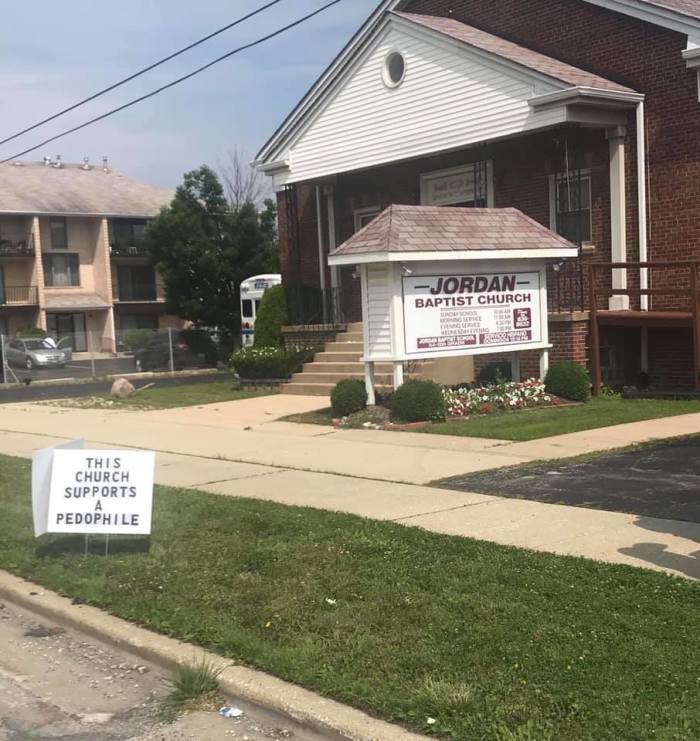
<point>166,397</point>
<point>454,637</point>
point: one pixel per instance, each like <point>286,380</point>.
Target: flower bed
<point>467,401</point>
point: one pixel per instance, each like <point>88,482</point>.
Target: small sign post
<point>92,492</point>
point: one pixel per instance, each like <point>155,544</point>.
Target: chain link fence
<point>84,355</point>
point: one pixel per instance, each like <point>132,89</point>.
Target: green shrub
<point>568,380</point>
<point>418,401</point>
<point>271,317</point>
<point>31,332</point>
<point>269,363</point>
<point>137,339</point>
<point>348,396</point>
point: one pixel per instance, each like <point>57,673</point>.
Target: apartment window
<point>570,207</point>
<point>128,322</point>
<point>364,216</point>
<point>136,283</point>
<point>61,271</point>
<point>128,235</point>
<point>59,233</point>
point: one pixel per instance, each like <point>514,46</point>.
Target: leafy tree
<point>204,249</point>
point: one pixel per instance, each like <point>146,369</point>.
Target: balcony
<point>19,296</point>
<point>135,293</point>
<point>22,247</point>
<point>120,249</point>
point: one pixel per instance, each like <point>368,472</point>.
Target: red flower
<point>486,408</point>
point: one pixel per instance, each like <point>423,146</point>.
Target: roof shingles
<point>35,188</point>
<point>440,229</point>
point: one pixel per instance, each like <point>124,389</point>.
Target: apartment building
<point>72,259</point>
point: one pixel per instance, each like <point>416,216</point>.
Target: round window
<point>394,69</point>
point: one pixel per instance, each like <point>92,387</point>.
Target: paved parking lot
<point>657,480</point>
<point>73,369</point>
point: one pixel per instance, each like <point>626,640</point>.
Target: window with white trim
<point>364,216</point>
<point>468,185</point>
<point>570,213</point>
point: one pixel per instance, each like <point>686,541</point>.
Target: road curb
<point>332,719</point>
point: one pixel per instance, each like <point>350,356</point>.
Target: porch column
<point>515,366</point>
<point>321,253</point>
<point>618,214</point>
<point>332,243</point>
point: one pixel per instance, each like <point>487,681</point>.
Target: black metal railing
<point>117,249</point>
<point>143,292</point>
<point>19,296</point>
<point>23,247</point>
<point>565,286</point>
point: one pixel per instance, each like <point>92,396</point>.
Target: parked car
<point>34,353</point>
<point>192,348</point>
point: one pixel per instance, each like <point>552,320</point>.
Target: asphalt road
<point>73,369</point>
<point>62,685</point>
<point>657,480</point>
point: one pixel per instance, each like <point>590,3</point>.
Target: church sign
<point>457,313</point>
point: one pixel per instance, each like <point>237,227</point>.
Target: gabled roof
<point>680,15</point>
<point>511,52</point>
<point>36,188</point>
<point>407,230</point>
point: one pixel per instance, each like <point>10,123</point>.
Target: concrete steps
<point>340,359</point>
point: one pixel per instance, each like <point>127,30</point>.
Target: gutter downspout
<point>643,228</point>
<point>321,254</point>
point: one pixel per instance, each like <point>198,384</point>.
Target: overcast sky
<point>55,52</point>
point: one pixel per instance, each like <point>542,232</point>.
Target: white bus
<point>252,291</point>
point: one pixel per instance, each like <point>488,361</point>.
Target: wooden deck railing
<point>689,293</point>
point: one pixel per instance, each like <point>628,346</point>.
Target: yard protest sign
<point>95,492</point>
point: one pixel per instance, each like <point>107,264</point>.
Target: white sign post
<point>92,492</point>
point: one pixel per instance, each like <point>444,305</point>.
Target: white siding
<point>451,97</point>
<point>379,296</point>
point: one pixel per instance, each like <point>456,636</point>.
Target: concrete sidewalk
<point>234,450</point>
<point>247,432</point>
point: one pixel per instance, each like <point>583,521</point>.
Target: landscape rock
<point>121,388</point>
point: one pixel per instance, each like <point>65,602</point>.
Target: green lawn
<point>537,423</point>
<point>167,397</point>
<point>491,642</point>
<point>533,424</point>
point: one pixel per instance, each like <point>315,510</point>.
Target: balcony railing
<point>135,292</point>
<point>19,296</point>
<point>565,286</point>
<point>23,247</point>
<point>117,249</point>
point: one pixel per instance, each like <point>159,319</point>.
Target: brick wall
<point>639,55</point>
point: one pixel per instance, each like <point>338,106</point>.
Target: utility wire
<point>140,72</point>
<point>155,92</point>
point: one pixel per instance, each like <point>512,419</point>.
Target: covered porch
<point>428,111</point>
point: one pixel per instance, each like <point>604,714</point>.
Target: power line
<point>155,92</point>
<point>140,72</point>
